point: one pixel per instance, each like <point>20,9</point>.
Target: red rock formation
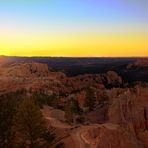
<point>142,63</point>
<point>126,109</point>
<point>101,136</point>
<point>109,136</point>
<point>36,76</point>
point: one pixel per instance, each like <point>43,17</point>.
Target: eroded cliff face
<point>109,135</point>
<point>130,108</point>
<point>36,76</point>
<point>127,108</point>
<point>23,69</point>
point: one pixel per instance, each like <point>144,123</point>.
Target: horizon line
<point>74,56</point>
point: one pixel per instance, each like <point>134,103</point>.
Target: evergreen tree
<point>90,99</point>
<point>8,104</point>
<point>104,97</point>
<point>28,122</point>
<point>75,106</point>
<point>71,109</point>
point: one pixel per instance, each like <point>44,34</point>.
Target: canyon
<point>119,118</point>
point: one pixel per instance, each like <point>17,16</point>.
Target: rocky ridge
<point>36,76</point>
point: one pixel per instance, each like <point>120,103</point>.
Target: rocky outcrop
<point>143,63</point>
<point>23,69</point>
<point>101,136</point>
<point>29,76</point>
<point>109,135</point>
<point>111,79</point>
<point>127,110</point>
<point>36,76</point>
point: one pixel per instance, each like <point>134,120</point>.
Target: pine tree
<point>75,109</point>
<point>71,109</point>
<point>68,112</point>
<point>28,121</point>
<point>104,97</point>
<point>90,99</point>
<point>8,104</point>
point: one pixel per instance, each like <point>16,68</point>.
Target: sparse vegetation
<point>43,99</point>
<point>71,109</point>
<point>89,99</point>
<point>48,136</point>
<point>8,105</point>
<point>21,121</point>
<point>28,122</point>
<point>104,97</point>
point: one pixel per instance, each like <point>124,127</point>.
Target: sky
<point>79,28</point>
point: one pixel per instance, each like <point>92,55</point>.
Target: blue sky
<point>74,27</point>
<point>74,15</point>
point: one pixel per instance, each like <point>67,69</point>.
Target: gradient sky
<point>74,27</point>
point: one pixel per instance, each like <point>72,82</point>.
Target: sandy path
<point>81,141</point>
<point>55,118</point>
<point>58,124</point>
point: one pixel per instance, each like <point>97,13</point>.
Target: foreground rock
<point>104,136</point>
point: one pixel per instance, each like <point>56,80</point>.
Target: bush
<point>48,136</point>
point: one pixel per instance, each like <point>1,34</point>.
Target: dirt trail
<point>58,124</point>
<point>55,117</point>
<point>81,141</point>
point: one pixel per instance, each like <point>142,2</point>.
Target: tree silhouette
<point>89,99</point>
<point>28,122</point>
<point>71,109</point>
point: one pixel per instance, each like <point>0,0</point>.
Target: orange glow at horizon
<point>75,44</point>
